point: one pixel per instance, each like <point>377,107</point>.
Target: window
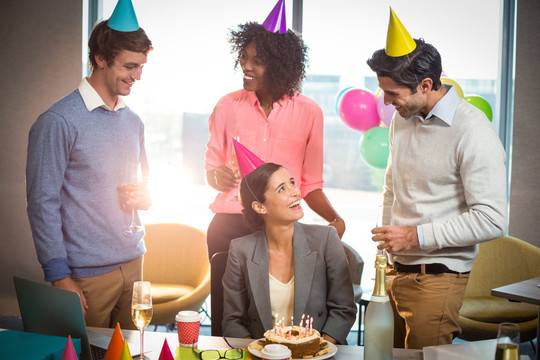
<point>192,67</point>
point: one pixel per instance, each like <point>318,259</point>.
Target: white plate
<point>332,352</point>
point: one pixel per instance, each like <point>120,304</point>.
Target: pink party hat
<point>165,352</point>
<point>276,20</point>
<point>123,17</point>
<point>247,161</point>
<point>126,354</point>
<point>115,345</point>
<point>69,351</point>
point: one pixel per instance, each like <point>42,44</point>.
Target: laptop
<point>52,311</point>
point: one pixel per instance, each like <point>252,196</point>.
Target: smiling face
<point>119,77</point>
<point>253,69</point>
<point>405,102</point>
<point>282,204</point>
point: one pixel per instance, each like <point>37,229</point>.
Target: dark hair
<point>408,70</point>
<point>109,43</point>
<point>284,55</point>
<point>252,188</point>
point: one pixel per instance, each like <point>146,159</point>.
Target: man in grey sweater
<point>77,155</point>
<point>444,192</point>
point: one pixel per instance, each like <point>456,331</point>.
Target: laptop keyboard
<point>98,353</point>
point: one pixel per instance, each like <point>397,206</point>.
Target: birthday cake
<point>302,342</point>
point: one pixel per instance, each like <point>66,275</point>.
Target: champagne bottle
<point>379,323</point>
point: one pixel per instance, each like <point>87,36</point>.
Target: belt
<point>428,269</point>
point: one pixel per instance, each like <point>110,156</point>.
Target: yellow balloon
<point>448,81</point>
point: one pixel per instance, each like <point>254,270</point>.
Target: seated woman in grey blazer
<point>286,269</point>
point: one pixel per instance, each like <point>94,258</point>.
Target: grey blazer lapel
<point>304,268</point>
<point>258,278</point>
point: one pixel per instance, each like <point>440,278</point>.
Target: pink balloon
<point>385,111</point>
<point>358,109</point>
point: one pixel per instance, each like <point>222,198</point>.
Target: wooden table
<point>527,291</point>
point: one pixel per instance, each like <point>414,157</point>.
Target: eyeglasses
<point>231,354</point>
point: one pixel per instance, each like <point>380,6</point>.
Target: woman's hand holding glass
<point>225,178</point>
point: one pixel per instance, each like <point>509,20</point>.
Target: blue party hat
<point>276,20</point>
<point>123,17</point>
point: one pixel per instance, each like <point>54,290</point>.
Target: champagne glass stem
<point>132,226</point>
<point>142,344</point>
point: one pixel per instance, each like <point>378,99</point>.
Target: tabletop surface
<point>526,291</point>
<point>153,342</point>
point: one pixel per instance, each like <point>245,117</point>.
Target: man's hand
<point>140,198</point>
<point>70,285</point>
<point>395,238</point>
<point>136,196</point>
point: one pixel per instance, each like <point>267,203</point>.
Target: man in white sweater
<point>444,191</point>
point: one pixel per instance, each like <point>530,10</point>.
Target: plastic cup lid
<point>275,351</point>
<point>188,316</point>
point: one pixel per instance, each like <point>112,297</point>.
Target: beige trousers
<point>108,296</point>
<point>426,307</point>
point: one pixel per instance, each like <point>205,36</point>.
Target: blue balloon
<point>340,95</point>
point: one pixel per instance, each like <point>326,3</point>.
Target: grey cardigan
<point>322,285</point>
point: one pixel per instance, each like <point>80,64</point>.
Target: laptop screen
<point>52,311</point>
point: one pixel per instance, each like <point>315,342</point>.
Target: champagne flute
<point>380,221</point>
<point>141,308</point>
<point>507,342</point>
<point>131,183</point>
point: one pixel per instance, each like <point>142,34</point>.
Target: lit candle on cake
<point>302,321</point>
<point>292,320</point>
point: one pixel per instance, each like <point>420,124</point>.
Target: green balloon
<point>375,147</point>
<point>480,103</point>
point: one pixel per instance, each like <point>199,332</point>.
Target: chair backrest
<point>176,254</point>
<point>217,269</point>
<point>500,262</point>
<point>356,263</point>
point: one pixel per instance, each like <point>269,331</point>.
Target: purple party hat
<point>276,20</point>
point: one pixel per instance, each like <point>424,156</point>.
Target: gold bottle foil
<point>380,276</point>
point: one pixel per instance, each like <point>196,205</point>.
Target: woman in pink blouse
<point>270,117</point>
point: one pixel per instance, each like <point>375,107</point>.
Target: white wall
<point>40,62</point>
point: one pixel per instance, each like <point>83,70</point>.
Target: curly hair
<point>284,55</point>
<point>423,62</point>
<point>252,188</point>
<point>109,43</point>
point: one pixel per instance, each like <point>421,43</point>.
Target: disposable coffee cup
<point>188,324</point>
<point>276,352</point>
